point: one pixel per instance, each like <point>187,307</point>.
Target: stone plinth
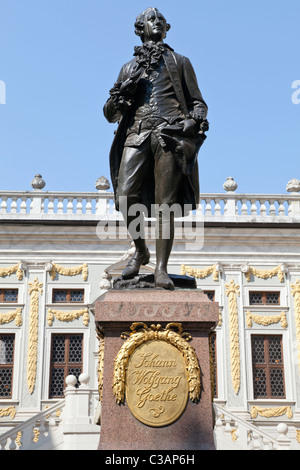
<point>115,312</point>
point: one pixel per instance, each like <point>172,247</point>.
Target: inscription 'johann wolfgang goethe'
<point>157,384</point>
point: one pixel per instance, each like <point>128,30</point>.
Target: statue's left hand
<point>128,88</point>
<point>189,127</point>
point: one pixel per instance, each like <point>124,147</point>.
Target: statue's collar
<point>152,45</point>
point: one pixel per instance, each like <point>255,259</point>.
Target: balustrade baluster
<point>12,444</point>
<point>88,208</point>
<point>70,205</point>
<point>281,208</point>
<point>60,205</point>
<point>79,205</point>
<point>4,205</point>
<point>253,208</point>
<point>256,441</point>
<point>51,205</point>
<point>217,206</point>
<point>263,209</point>
<point>272,208</point>
<point>3,444</point>
<point>244,208</point>
<point>23,206</point>
<point>14,205</point>
<point>208,210</point>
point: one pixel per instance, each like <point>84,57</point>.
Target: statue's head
<point>151,25</point>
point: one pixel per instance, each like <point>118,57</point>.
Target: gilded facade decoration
<point>35,288</point>
<point>265,273</point>
<point>172,334</point>
<point>232,291</point>
<point>17,268</point>
<point>233,435</point>
<point>200,273</point>
<point>18,438</point>
<point>68,316</point>
<point>36,435</point>
<point>8,317</point>
<point>101,341</point>
<point>56,268</point>
<point>266,320</point>
<point>9,411</point>
<point>271,412</point>
<point>211,365</point>
<point>296,294</point>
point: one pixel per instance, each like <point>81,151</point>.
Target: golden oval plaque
<point>156,383</point>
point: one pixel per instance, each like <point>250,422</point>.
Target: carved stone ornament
<point>102,184</point>
<point>38,183</point>
<point>293,186</point>
<point>230,184</point>
<point>157,370</point>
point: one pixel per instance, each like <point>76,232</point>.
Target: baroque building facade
<point>60,251</point>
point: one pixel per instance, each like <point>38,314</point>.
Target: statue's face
<point>155,26</point>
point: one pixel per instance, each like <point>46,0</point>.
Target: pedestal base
<point>115,311</point>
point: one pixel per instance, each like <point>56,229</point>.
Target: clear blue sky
<point>59,58</point>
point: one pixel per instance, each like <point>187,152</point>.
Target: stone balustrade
<point>66,425</point>
<point>234,433</point>
<point>227,207</point>
<point>35,431</point>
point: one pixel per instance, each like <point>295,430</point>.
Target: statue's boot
<point>138,259</point>
<point>141,255</point>
<point>162,279</point>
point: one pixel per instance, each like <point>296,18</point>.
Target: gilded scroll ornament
<point>265,273</point>
<point>36,435</point>
<point>9,411</point>
<point>271,412</point>
<point>200,273</point>
<point>266,320</point>
<point>232,291</point>
<point>56,268</point>
<point>17,268</point>
<point>101,340</point>
<point>18,439</point>
<point>35,288</point>
<point>68,316</point>
<point>296,294</point>
<point>172,334</point>
<point>8,317</point>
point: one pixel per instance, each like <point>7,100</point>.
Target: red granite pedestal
<point>115,312</point>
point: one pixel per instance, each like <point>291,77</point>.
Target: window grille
<point>67,295</point>
<point>7,344</point>
<point>8,295</point>
<point>264,298</point>
<point>268,367</point>
<point>66,359</point>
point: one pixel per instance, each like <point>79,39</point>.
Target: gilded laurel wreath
<point>172,334</point>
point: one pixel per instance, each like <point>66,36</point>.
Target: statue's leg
<point>167,181</point>
<point>134,166</point>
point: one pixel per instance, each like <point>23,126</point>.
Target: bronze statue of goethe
<point>162,119</point>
